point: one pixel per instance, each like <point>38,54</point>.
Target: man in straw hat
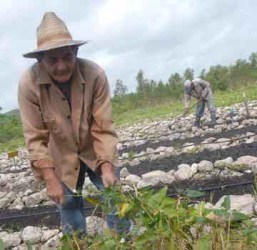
<point>65,108</point>
<point>200,89</point>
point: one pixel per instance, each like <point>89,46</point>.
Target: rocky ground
<point>220,160</point>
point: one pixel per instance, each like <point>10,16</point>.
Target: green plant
<point>161,222</point>
<point>1,244</point>
<point>131,155</point>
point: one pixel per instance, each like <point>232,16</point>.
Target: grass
<point>149,113</point>
<point>12,145</point>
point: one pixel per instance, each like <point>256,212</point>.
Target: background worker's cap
<point>52,33</point>
<point>196,80</point>
<point>188,86</point>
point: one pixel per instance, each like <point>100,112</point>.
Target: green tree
<point>175,85</point>
<point>202,74</point>
<point>218,77</point>
<point>140,82</point>
<point>253,60</point>
<point>175,79</point>
<point>188,74</point>
<point>120,88</point>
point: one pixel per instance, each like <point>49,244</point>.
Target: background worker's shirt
<point>59,136</point>
<point>201,90</point>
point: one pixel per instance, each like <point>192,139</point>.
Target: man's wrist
<point>48,174</point>
<point>43,163</point>
<point>105,167</point>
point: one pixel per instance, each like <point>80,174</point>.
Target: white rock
<point>223,141</point>
<point>7,199</point>
<point>3,180</point>
<point>212,146</point>
<point>34,199</point>
<point>124,172</point>
<point>47,234</point>
<point>32,234</point>
<point>184,172</point>
<point>95,225</point>
<point>132,179</point>
<point>189,147</point>
<point>11,240</point>
<point>247,160</point>
<point>142,184</point>
<point>153,174</point>
<point>205,166</point>
<point>209,140</point>
<point>134,162</point>
<point>221,164</point>
<point>53,243</point>
<point>194,168</point>
<point>158,176</point>
<point>17,204</point>
<point>242,203</point>
<point>2,194</point>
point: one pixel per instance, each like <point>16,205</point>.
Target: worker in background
<point>200,89</point>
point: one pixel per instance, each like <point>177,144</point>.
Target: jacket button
<point>68,116</point>
<point>76,168</point>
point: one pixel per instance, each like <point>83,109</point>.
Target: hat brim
<point>34,53</point>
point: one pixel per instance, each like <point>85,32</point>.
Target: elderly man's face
<point>60,63</point>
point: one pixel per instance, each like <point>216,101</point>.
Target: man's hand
<point>108,176</point>
<point>53,185</point>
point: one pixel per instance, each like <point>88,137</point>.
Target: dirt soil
<point>172,162</point>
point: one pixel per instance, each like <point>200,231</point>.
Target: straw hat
<point>52,33</point>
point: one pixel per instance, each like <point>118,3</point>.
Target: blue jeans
<point>72,213</point>
<point>200,106</point>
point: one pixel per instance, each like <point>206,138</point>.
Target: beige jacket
<point>200,91</point>
<point>59,137</point>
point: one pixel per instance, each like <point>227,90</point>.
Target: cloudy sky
<point>159,37</point>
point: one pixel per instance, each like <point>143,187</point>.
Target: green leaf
<point>221,212</point>
<point>200,220</point>
<point>203,244</point>
<point>168,202</point>
<point>92,201</point>
<point>109,244</point>
<point>226,203</point>
<point>1,244</point>
<point>29,245</point>
<point>237,216</point>
<point>193,193</point>
<point>157,198</point>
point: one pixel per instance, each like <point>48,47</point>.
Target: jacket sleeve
<point>102,128</point>
<point>35,133</point>
<point>187,98</point>
<point>206,88</point>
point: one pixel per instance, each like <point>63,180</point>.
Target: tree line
<point>151,92</point>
